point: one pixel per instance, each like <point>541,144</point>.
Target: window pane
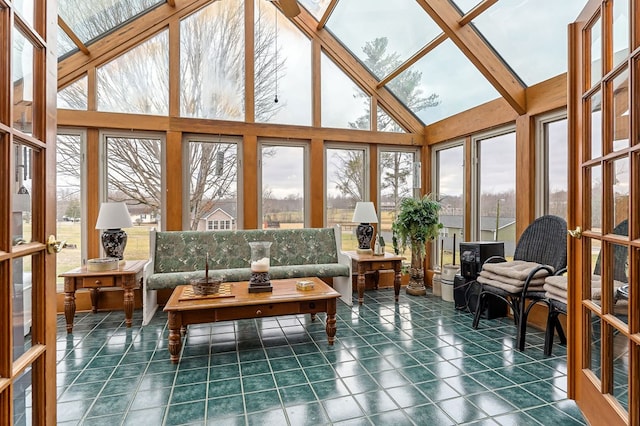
<point>283,183</point>
<point>22,77</point>
<point>386,123</point>
<point>345,185</point>
<point>620,190</point>
<point>138,81</point>
<point>134,177</point>
<point>555,134</point>
<point>441,84</point>
<point>518,31</point>
<point>450,194</point>
<point>25,9</point>
<point>315,7</point>
<point>69,203</point>
<point>283,76</point>
<point>23,399</point>
<point>65,44</point>
<point>22,195</point>
<point>92,19</point>
<point>380,33</point>
<point>74,96</point>
<point>212,62</point>
<point>620,31</point>
<point>596,51</point>
<point>595,103</point>
<point>596,198</point>
<point>22,302</point>
<point>213,168</point>
<point>498,190</point>
<point>344,104</point>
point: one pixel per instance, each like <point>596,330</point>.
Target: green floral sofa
<point>179,256</point>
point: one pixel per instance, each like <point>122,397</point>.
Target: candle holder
<point>260,282</point>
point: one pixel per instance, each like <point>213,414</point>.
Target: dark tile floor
<point>418,362</point>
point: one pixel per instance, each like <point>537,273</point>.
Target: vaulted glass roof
<point>434,56</point>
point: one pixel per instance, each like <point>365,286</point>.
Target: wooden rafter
<point>328,11</point>
<point>72,35</point>
<point>415,58</point>
<point>476,11</point>
<point>171,3</point>
<point>478,52</point>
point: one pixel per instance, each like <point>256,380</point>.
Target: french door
<point>604,213</point>
<point>27,212</point>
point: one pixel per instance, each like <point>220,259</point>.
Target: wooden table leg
<point>69,309</point>
<point>95,293</point>
<point>361,282</point>
<point>397,278</point>
<point>175,339</point>
<point>331,320</point>
<point>127,286</point>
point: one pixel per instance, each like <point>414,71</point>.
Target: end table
<point>363,263</point>
<point>128,276</point>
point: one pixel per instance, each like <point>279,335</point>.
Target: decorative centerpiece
<point>208,285</point>
<point>260,262</point>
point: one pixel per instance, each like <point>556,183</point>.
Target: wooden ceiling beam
<point>478,52</point>
<point>72,35</point>
<point>123,39</point>
<point>327,13</point>
<point>353,68</point>
<point>476,11</point>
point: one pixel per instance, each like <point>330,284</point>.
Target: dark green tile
<point>272,417</point>
<point>330,389</point>
<point>180,414</point>
<point>150,416</point>
<point>343,408</point>
<point>197,375</point>
<point>376,402</point>
<point>361,383</point>
<point>295,395</point>
<point>437,390</point>
<point>80,391</point>
<point>151,398</point>
<point>310,360</point>
<point>260,401</point>
<point>465,385</point>
<point>550,412</point>
<point>516,418</point>
<point>428,414</point>
<point>407,396</point>
<point>228,406</point>
<point>188,393</point>
<point>258,383</point>
<point>417,374</point>
<point>491,403</point>
<point>155,381</point>
<point>224,372</point>
<point>519,397</point>
<point>311,414</point>
<point>461,410</point>
<point>320,373</point>
<point>254,367</point>
<point>290,378</point>
<point>226,387</point>
<point>286,363</point>
<point>109,405</point>
<point>108,420</point>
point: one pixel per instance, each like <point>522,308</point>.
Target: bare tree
<point>397,168</point>
<point>349,177</point>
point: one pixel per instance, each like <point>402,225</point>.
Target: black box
<point>465,297</point>
<point>474,254</point>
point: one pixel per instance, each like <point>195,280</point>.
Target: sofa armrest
<point>343,285</point>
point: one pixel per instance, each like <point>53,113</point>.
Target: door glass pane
<point>69,203</point>
<point>283,184</point>
<point>212,62</point>
<point>282,76</point>
<point>450,194</point>
<point>596,51</point>
<point>555,134</point>
<point>25,9</point>
<point>213,194</point>
<point>620,31</point>
<point>396,183</point>
<point>22,300</point>
<point>621,182</point>
<point>134,176</point>
<point>596,124</point>
<point>620,110</point>
<point>22,195</point>
<point>23,399</point>
<point>620,284</point>
<point>22,78</point>
<point>345,185</point>
<point>596,198</point>
<point>594,336</point>
<point>497,220</point>
<point>621,369</point>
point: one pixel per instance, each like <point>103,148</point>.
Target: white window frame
<point>542,156</point>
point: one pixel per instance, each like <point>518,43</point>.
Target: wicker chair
<point>557,308</point>
<point>543,242</point>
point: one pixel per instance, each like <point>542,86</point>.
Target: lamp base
<point>364,251</point>
<point>364,234</point>
<point>114,241</point>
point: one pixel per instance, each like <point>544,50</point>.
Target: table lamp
<point>111,218</point>
<point>365,213</point>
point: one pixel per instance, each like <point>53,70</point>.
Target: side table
<point>128,276</point>
<point>363,263</point>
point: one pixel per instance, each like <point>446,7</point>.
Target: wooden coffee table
<point>184,309</point>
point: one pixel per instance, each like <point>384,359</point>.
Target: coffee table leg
<point>331,320</point>
<point>175,339</point>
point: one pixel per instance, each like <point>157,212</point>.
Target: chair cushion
<point>516,269</point>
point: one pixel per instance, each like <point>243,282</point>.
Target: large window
<point>71,202</point>
<point>211,168</point>
<point>134,176</point>
<point>496,193</point>
<point>552,170</point>
<point>346,184</point>
<point>449,191</point>
<point>284,184</point>
<point>396,181</point>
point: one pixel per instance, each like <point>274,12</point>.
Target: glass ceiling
<point>384,34</point>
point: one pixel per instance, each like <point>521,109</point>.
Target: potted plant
<point>416,224</point>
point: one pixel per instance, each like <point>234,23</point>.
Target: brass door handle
<point>53,245</point>
<point>576,233</point>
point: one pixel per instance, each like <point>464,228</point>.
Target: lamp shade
<point>365,212</point>
<point>113,216</point>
